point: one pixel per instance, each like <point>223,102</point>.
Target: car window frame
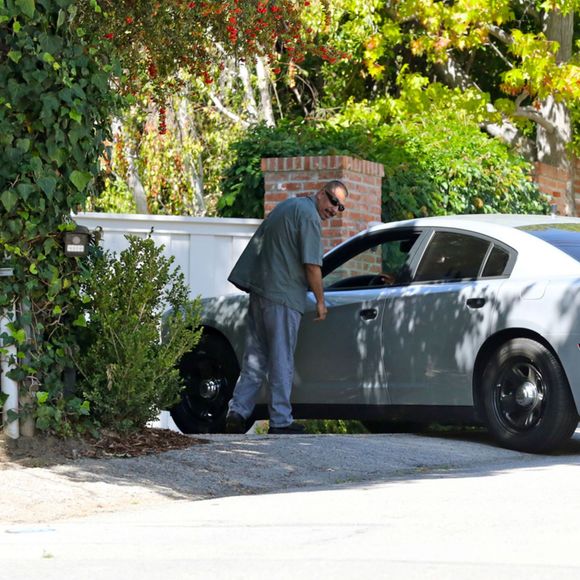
<point>431,232</point>
<point>341,254</point>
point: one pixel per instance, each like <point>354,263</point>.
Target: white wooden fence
<point>206,249</point>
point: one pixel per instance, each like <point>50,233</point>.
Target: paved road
<point>469,510</point>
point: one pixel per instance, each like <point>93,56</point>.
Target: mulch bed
<point>143,442</point>
<point>43,450</point>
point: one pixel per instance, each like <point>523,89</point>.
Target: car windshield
<point>565,237</point>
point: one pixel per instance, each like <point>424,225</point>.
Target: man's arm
<point>314,277</point>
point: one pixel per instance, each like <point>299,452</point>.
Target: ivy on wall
<point>54,102</point>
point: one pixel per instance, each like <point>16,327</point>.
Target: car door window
<point>452,256</point>
<point>381,264</point>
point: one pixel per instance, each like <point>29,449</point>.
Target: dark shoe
<point>292,429</point>
<point>235,423</point>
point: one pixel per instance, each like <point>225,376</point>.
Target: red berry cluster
<point>162,121</point>
<point>232,29</point>
<point>194,27</point>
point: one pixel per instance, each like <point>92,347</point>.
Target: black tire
<point>210,373</point>
<point>526,398</point>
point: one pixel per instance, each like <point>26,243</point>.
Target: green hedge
<point>436,168</point>
<point>432,167</point>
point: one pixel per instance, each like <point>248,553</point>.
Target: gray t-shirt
<point>272,265</point>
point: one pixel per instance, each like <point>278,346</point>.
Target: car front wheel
<point>210,373</point>
<point>526,397</point>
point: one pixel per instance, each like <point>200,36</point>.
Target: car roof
<point>472,221</point>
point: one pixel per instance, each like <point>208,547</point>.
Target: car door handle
<point>368,313</point>
<point>475,302</point>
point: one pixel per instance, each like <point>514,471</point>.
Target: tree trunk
<point>511,135</point>
<point>193,166</point>
<point>552,144</point>
<point>264,88</point>
<point>250,100</point>
<point>134,182</point>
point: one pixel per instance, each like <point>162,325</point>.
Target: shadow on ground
<point>247,464</point>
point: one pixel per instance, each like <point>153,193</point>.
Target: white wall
<point>206,249</point>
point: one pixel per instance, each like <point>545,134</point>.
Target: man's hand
<point>320,311</point>
<point>387,278</point>
<point>314,277</point>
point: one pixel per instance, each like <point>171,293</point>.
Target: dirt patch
<point>46,450</point>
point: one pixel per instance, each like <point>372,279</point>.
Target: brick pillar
<point>298,176</point>
<point>554,183</point>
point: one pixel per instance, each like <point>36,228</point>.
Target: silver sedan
<point>472,319</point>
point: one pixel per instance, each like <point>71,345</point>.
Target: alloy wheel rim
<point>206,389</point>
<point>520,395</point>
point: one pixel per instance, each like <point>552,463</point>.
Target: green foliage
<point>434,164</point>
<point>115,197</point>
<point>322,427</point>
<point>513,54</point>
<point>380,37</point>
<point>243,183</point>
<point>164,177</point>
<point>437,160</point>
<point>65,418</point>
<point>338,427</point>
<point>155,40</point>
<point>182,150</point>
<point>127,373</point>
<point>450,167</point>
<point>54,105</point>
<point>355,27</point>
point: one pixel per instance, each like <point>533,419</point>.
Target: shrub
<point>126,373</point>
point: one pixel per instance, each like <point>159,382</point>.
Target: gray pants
<point>270,343</point>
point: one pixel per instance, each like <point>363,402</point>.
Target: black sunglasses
<point>334,201</point>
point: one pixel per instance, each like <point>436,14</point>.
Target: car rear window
<point>565,237</point>
<point>496,263</point>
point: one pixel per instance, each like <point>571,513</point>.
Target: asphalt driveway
<point>388,506</point>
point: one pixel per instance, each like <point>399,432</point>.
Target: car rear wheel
<point>210,373</point>
<point>526,397</point>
